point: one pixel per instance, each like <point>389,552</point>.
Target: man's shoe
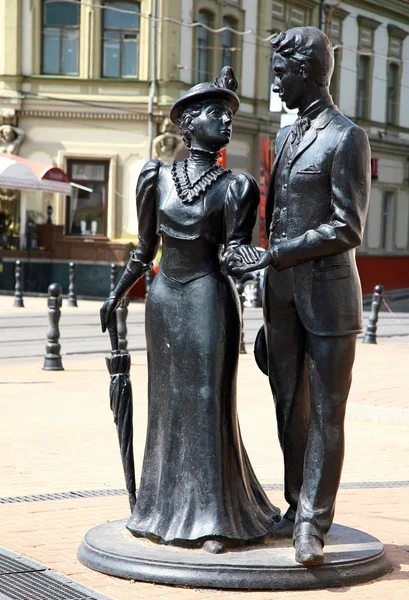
<point>283,529</point>
<point>308,550</point>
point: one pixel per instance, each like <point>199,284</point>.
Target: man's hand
<point>238,267</point>
<point>241,256</point>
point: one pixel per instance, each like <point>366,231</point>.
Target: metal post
<point>370,334</point>
<point>122,314</point>
<point>153,74</point>
<point>113,278</point>
<point>18,295</point>
<point>240,290</point>
<point>29,235</point>
<point>72,292</point>
<point>52,358</point>
<point>49,215</point>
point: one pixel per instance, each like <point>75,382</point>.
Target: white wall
<point>2,43</point>
<point>373,224</point>
<point>248,73</point>
<point>391,170</point>
<point>379,84</point>
<point>404,98</point>
<point>347,88</point>
<point>132,167</point>
<point>26,38</point>
<point>402,221</point>
<point>186,43</point>
<point>127,141</point>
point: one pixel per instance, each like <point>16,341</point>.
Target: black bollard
<point>18,295</point>
<point>370,333</point>
<point>148,281</point>
<point>72,292</point>
<point>113,277</point>
<point>240,290</point>
<point>52,358</point>
<point>49,215</point>
<point>122,314</point>
<point>29,235</point>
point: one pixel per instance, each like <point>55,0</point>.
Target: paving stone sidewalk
<point>57,435</point>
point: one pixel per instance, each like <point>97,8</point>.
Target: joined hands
<point>247,258</point>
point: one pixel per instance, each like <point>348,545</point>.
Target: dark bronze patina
<point>197,486</point>
<point>315,214</point>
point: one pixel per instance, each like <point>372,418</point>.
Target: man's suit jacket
<point>325,204</point>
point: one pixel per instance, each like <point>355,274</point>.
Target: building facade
<point>78,76</point>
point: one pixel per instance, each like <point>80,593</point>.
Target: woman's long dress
<point>197,482</point>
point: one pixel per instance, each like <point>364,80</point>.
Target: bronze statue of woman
<point>197,485</point>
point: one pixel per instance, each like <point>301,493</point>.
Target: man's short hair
<point>309,45</point>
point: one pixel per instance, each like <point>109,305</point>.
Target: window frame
<point>335,83</point>
<point>392,107</point>
<point>138,4</point>
<point>93,161</point>
<point>210,54</point>
<point>233,23</point>
<point>388,226</point>
<point>61,28</point>
<point>218,12</point>
<point>367,87</point>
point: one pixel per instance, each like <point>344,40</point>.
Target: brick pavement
<point>56,434</point>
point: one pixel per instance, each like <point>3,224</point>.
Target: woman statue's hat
<point>223,87</point>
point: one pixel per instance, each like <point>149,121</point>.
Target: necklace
<point>188,190</point>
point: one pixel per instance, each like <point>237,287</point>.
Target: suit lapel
<point>270,190</point>
<point>309,138</point>
<point>311,135</point>
<point>276,161</point>
<point>277,158</point>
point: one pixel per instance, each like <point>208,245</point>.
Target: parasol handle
<point>113,333</point>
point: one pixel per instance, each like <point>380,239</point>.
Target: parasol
<point>120,393</point>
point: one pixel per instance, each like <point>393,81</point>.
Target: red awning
<point>18,173</point>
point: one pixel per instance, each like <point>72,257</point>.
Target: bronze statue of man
<point>315,215</point>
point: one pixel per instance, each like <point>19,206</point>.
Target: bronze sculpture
<point>198,489</point>
<point>197,486</point>
<point>315,214</point>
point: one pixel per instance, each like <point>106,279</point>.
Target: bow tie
<point>299,128</point>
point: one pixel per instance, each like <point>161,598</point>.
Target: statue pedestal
<point>351,557</point>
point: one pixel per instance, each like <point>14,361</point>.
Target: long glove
<point>134,270</point>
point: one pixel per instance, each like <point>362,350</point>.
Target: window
<point>334,19</point>
<point>335,29</point>
<point>393,91</point>
<point>366,37</point>
<point>86,208</point>
<point>298,16</point>
<point>203,50</point>
<point>60,37</point>
<point>120,39</point>
<point>278,11</point>
<point>386,220</point>
<point>395,47</point>
<point>228,44</point>
<point>363,86</point>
